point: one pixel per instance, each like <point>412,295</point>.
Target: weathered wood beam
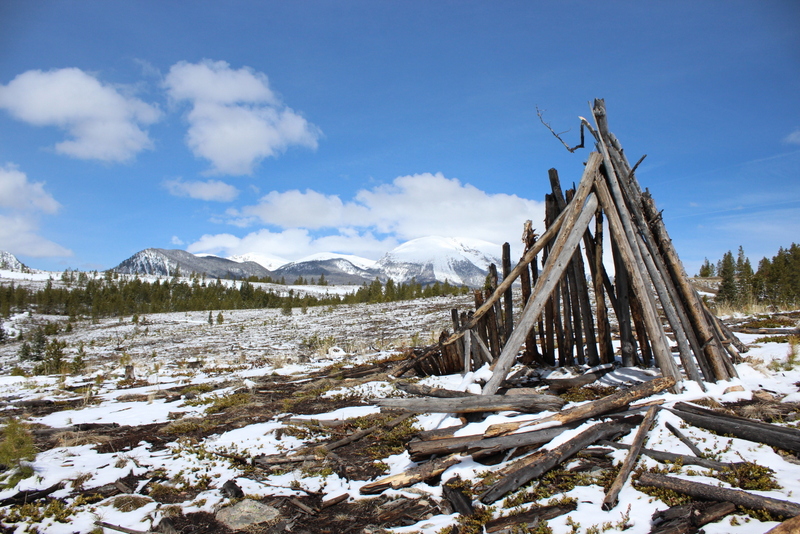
<point>474,404</point>
<point>410,477</point>
<point>578,217</point>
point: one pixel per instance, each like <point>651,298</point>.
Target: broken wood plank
<point>524,470</point>
<point>412,476</point>
<point>474,404</point>
<point>698,490</point>
<point>610,500</point>
<point>790,526</point>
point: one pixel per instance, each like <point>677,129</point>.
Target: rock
<point>246,514</point>
<point>232,490</point>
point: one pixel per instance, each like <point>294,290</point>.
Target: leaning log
<point>612,495</point>
<point>474,404</point>
<point>427,391</point>
<point>541,462</point>
<point>776,507</point>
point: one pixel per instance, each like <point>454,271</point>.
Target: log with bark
<point>670,457</point>
<point>688,518</point>
<point>769,434</point>
<point>526,469</point>
<point>474,404</point>
<point>536,514</point>
<point>776,507</point>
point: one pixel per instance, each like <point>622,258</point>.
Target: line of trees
<point>776,281</point>
<point>109,296</point>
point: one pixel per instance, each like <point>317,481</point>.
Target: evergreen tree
<point>727,271</point>
<point>744,278</point>
<point>707,269</point>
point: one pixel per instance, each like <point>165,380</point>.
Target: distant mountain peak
<point>9,262</point>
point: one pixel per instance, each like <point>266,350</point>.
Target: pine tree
<point>707,270</point>
<point>727,271</point>
<point>744,278</point>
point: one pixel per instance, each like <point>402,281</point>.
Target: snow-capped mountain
<point>337,269</point>
<point>428,259</point>
<point>268,261</point>
<point>9,262</point>
<point>162,262</point>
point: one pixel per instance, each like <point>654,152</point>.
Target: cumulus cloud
<point>793,138</point>
<point>21,204</point>
<point>410,207</point>
<point>236,119</point>
<point>213,190</point>
<point>101,122</point>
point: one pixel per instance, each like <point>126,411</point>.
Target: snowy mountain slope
<point>9,262</point>
<point>337,270</point>
<point>268,261</point>
<point>429,259</point>
<point>164,262</point>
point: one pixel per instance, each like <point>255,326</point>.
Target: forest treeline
<point>776,281</point>
<point>115,296</point>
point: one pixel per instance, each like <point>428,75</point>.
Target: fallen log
<point>769,331</point>
<point>776,507</point>
<point>611,500</point>
<point>524,470</point>
<point>686,441</point>
<point>427,391</point>
<point>687,518</point>
<point>475,443</point>
<point>662,456</point>
<point>474,404</point>
<point>790,526</point>
<point>412,476</point>
<point>614,402</point>
<point>24,497</point>
<point>542,513</point>
<point>563,384</point>
<point>740,427</point>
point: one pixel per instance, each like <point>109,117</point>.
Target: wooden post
<point>598,271</point>
<point>623,311</point>
<point>508,297</point>
<point>564,247</point>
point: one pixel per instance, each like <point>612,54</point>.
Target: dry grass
<point>75,439</point>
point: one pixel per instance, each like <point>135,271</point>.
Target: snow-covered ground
<point>183,349</point>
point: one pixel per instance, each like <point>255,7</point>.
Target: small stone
<point>246,514</point>
<point>232,490</point>
<point>732,389</point>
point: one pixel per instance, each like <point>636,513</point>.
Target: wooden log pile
<point>565,318</point>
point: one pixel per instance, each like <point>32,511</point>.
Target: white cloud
<point>177,241</point>
<point>208,190</point>
<point>102,123</point>
<point>793,138</point>
<point>236,120</point>
<point>21,203</point>
<point>17,193</point>
<point>408,208</point>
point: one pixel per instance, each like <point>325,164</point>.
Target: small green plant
<point>17,446</point>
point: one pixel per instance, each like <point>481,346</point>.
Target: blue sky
<point>289,128</point>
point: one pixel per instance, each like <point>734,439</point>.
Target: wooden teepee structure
<point>650,283</point>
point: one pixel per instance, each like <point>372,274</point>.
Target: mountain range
<point>427,260</point>
<point>460,261</point>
